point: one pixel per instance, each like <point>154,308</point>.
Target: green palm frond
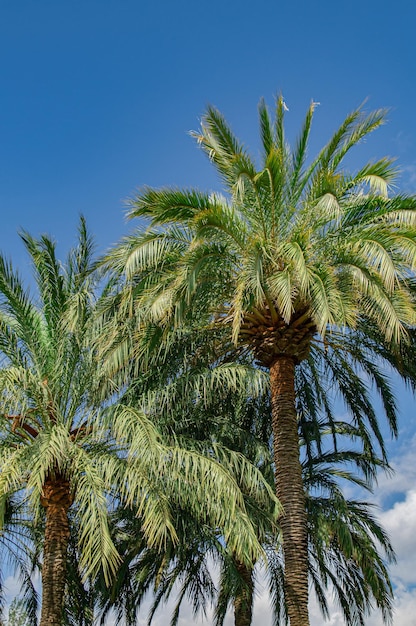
<point>300,153</point>
<point>49,279</point>
<point>96,547</point>
<point>80,260</point>
<point>365,124</point>
<point>171,205</point>
<point>224,150</point>
<point>266,128</point>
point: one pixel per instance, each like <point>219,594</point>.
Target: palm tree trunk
<point>243,602</point>
<point>289,489</point>
<point>56,500</point>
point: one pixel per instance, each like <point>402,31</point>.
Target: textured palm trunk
<point>243,602</point>
<point>56,500</point>
<point>289,489</point>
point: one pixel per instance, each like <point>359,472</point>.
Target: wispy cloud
<point>403,141</point>
<point>408,178</point>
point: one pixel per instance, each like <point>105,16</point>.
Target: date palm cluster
<point>169,412</point>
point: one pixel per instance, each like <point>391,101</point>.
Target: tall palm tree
<point>297,253</point>
<point>67,442</point>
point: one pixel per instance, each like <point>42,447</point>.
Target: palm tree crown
<point>303,247</point>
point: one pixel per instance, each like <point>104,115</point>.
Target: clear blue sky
<point>97,97</point>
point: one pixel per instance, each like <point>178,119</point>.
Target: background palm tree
<point>297,254</point>
<point>194,408</point>
<point>347,555</point>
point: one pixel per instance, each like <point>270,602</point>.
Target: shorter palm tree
<point>50,393</point>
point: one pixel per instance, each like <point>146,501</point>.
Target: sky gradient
<point>98,96</point>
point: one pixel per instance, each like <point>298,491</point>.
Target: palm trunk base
<point>289,489</point>
<point>56,500</point>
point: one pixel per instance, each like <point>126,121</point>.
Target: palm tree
<point>49,393</point>
<point>296,255</point>
<point>68,443</point>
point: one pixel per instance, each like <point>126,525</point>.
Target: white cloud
<point>400,524</point>
<point>403,478</point>
<point>11,587</point>
<point>408,177</point>
<point>404,611</point>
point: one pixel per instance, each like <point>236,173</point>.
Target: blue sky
<point>97,98</point>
